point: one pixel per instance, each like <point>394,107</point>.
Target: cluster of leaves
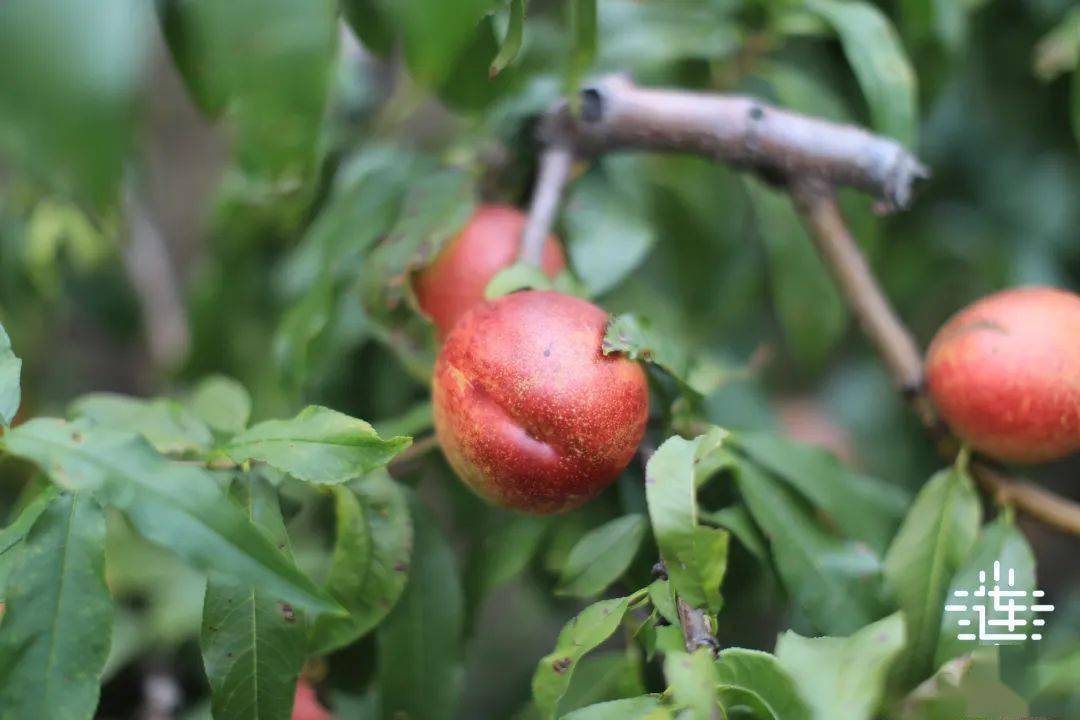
<point>191,476</point>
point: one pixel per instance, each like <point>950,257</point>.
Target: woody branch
<point>811,158</point>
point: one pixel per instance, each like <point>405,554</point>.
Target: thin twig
<point>893,342</point>
<point>555,163</point>
<point>403,461</point>
<point>695,628</point>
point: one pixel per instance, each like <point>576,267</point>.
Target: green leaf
<point>370,563</point>
<point>179,506</point>
<point>646,707</point>
<point>511,44</point>
<point>934,539</point>
<point>663,599</point>
<point>1058,51</point>
<point>695,556</point>
<point>222,403</point>
<point>319,446</point>
<point>609,232</point>
<point>420,643</point>
<point>969,686</point>
<point>371,23</point>
<point>583,39</point>
<point>835,582</point>
<point>165,423</point>
<point>804,296</point>
<point>644,35</point>
<point>12,536</point>
<point>267,65</point>
<point>252,643</point>
<point>843,677</point>
<point>600,676</point>
<point>862,507</point>
<point>10,370</point>
<point>1076,105</point>
<point>879,62</point>
<point>1001,542</point>
<point>755,680</point>
<point>588,629</point>
<point>71,70</point>
<point>602,556</point>
<point>58,616</point>
<point>503,555</point>
<point>519,276</point>
<point>436,34</point>
<point>736,519</point>
<point>634,336</point>
<point>692,681</point>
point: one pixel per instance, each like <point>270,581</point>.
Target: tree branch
<point>555,163</point>
<point>817,205</point>
<point>811,157</point>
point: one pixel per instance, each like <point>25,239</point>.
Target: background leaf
<point>804,296</point>
<point>934,539</point>
<point>608,230</point>
<point>10,371</point>
<point>862,507</point>
<point>843,677</point>
<point>253,645</point>
<point>56,55</point>
<point>165,423</point>
<point>58,615</point>
<point>222,403</point>
<point>511,44</point>
<point>420,642</point>
<point>319,445</point>
<point>178,506</point>
<point>638,708</point>
<point>880,65</point>
<point>273,93</point>
<point>602,556</point>
<point>835,582</point>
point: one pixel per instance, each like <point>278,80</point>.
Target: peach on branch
<point>529,411</point>
<point>1005,374</point>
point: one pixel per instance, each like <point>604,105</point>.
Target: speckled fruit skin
<point>528,410</point>
<point>306,705</point>
<point>1005,374</point>
<point>455,281</point>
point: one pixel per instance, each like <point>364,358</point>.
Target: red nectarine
<point>528,410</point>
<point>455,280</point>
<point>1005,374</point>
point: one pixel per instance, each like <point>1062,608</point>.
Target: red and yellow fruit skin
<point>528,410</point>
<point>455,280</point>
<point>1005,374</point>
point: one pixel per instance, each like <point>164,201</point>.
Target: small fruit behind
<point>455,280</point>
<point>306,705</point>
<point>528,410</point>
<point>1005,374</point>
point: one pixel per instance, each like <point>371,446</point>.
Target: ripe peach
<point>306,705</point>
<point>455,280</point>
<point>1005,374</point>
<point>528,410</point>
